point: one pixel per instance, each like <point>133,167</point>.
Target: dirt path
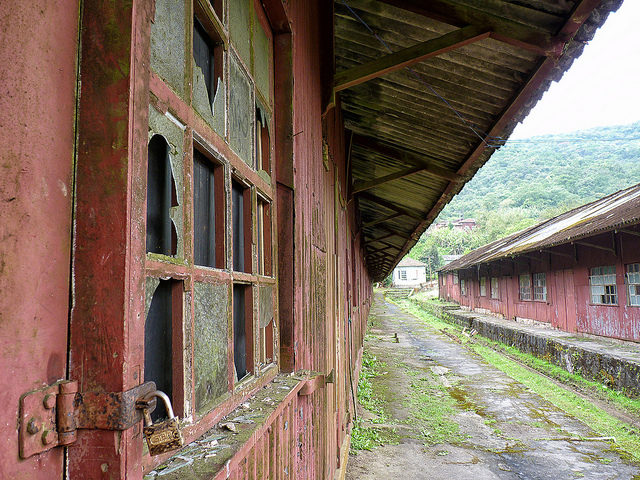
<point>450,415</point>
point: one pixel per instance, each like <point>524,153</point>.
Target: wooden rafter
<point>380,220</point>
<point>503,29</point>
<point>408,56</point>
<point>391,206</point>
<point>369,184</point>
<point>405,156</point>
<point>369,241</point>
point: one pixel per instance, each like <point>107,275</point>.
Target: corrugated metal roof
<point>608,213</point>
<point>420,133</point>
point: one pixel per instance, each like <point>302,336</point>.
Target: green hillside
<point>552,172</point>
<point>527,181</point>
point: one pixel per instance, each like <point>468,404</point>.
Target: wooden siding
<point>568,306</point>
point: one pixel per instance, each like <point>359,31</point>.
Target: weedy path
<point>443,412</point>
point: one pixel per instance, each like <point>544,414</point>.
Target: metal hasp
<point>50,416</point>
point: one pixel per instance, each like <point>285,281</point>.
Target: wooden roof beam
<point>369,184</point>
<point>386,236</point>
<point>390,205</point>
<point>373,252</point>
<point>502,29</point>
<point>381,220</point>
<point>423,161</point>
<point>409,56</point>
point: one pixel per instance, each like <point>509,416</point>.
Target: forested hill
<point>552,173</point>
<point>528,181</point>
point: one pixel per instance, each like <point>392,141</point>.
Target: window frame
<point>598,276</point>
<point>217,171</point>
<point>635,285</point>
<point>525,292</point>
<point>494,290</point>
<point>204,22</point>
<point>463,287</point>
<point>544,293</point>
<point>483,286</point>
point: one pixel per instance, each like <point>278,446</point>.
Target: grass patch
<point>364,438</point>
<point>367,437</point>
<point>371,367</point>
<point>431,408</point>
<point>627,437</point>
<point>619,399</point>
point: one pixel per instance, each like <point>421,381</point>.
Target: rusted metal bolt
<point>49,401</point>
<point>32,426</point>
<point>47,437</point>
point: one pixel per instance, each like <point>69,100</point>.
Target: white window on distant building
<point>494,288</point>
<point>540,287</point>
<point>402,274</point>
<point>525,286</point>
<point>483,286</point>
<point>602,283</point>
<point>463,290</point>
<point>633,283</point>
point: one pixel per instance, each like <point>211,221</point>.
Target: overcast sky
<point>602,87</point>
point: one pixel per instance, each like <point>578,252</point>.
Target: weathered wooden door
<point>570,301</point>
<point>559,319</point>
<point>36,173</point>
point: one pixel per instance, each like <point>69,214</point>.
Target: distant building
<point>409,273</point>
<point>466,224</point>
<point>579,271</point>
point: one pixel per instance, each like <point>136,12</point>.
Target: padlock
<point>164,436</point>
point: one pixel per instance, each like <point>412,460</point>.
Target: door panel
<point>35,208</point>
<point>570,295</point>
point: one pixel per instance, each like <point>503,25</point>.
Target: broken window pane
<point>161,235</point>
<point>242,328</point>
<point>204,231</point>
<point>203,50</point>
<point>158,330</point>
<point>241,228</point>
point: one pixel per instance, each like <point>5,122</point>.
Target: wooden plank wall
<point>331,287</point>
<point>568,306</point>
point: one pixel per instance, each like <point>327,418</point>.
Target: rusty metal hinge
<point>51,416</point>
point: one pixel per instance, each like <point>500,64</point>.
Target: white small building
<point>409,273</point>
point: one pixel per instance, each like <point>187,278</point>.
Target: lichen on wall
<point>168,43</point>
<point>210,344</point>
<point>261,59</point>
<point>240,27</point>
<point>159,124</point>
<point>212,112</point>
<point>241,112</point>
